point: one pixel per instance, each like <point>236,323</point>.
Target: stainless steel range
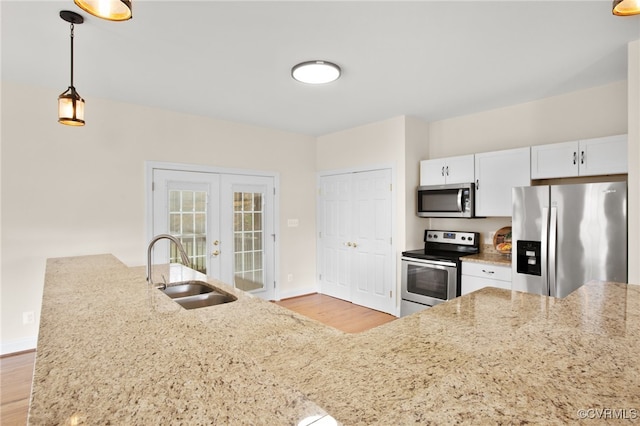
<point>432,275</point>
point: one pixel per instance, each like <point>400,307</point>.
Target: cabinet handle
<point>488,272</point>
<point>348,244</point>
<point>354,245</point>
<point>477,184</point>
<point>575,157</point>
<point>215,253</point>
<point>216,243</point>
<point>442,170</point>
<point>447,170</point>
<point>582,157</point>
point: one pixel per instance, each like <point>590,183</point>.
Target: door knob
<point>354,245</point>
<point>216,243</point>
<point>348,244</point>
<point>215,253</point>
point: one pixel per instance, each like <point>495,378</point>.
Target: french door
<point>354,241</point>
<point>225,223</point>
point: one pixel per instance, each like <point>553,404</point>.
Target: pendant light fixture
<point>70,104</point>
<point>316,72</point>
<point>626,7</point>
<point>112,10</point>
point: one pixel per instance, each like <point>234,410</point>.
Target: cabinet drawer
<point>486,270</point>
<point>471,284</point>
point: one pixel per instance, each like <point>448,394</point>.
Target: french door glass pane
<point>188,222</point>
<point>248,241</point>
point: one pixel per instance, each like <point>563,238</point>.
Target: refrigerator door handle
<point>544,239</point>
<point>553,239</point>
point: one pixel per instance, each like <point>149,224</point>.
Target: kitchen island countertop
<point>109,350</point>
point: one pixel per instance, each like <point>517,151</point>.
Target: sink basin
<point>188,288</point>
<point>197,294</point>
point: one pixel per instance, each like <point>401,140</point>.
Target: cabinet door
<point>460,169</point>
<point>496,174</point>
<point>603,156</point>
<point>554,160</point>
<point>432,172</point>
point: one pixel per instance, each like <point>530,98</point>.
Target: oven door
<point>428,282</point>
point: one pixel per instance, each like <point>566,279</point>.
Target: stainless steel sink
<point>197,294</point>
<point>187,288</point>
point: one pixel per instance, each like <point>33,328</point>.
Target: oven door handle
<point>428,262</point>
<point>460,200</point>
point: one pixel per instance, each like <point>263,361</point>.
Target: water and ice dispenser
<point>528,257</point>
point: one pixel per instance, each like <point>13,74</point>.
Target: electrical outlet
<point>292,223</point>
<point>290,278</point>
<point>28,318</point>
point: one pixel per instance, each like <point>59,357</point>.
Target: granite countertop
<point>490,258</point>
<point>110,353</point>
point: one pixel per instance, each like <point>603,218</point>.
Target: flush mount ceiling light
<point>112,10</point>
<point>626,7</point>
<point>70,104</point>
<point>316,72</point>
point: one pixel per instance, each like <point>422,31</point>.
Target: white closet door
<point>334,234</point>
<point>372,260</point>
<point>354,240</point>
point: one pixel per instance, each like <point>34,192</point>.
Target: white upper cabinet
<point>442,171</point>
<point>588,157</point>
<point>496,174</point>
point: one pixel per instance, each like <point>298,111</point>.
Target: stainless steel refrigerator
<point>566,235</point>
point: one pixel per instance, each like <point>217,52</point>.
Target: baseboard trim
<point>20,345</point>
<point>296,293</point>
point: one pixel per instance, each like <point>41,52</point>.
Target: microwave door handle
<point>460,200</point>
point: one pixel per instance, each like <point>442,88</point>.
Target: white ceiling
<point>232,60</point>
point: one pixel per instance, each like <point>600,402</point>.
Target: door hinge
<point>274,191</point>
<point>274,284</point>
<point>320,234</point>
<point>390,240</point>
<point>390,294</point>
<point>320,191</point>
<point>320,277</point>
<point>153,186</point>
<point>391,187</point>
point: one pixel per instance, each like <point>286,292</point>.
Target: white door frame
<point>394,234</point>
<point>148,182</point>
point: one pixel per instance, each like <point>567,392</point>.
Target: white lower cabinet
<point>479,275</point>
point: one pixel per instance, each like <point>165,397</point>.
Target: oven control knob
<point>470,238</point>
<point>429,236</point>
<point>464,238</point>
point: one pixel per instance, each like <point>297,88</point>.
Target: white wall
<point>417,147</point>
<point>76,191</point>
<point>599,111</point>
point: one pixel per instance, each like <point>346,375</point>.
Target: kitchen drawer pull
<point>575,158</point>
<point>488,272</point>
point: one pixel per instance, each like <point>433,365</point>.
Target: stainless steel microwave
<point>454,200</point>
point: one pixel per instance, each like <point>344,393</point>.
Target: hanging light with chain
<point>70,104</point>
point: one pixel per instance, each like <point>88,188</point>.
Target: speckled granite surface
<point>490,258</point>
<point>493,356</point>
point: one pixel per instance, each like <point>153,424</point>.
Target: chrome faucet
<point>183,255</point>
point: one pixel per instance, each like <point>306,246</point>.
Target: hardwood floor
<point>16,370</point>
<point>344,316</point>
